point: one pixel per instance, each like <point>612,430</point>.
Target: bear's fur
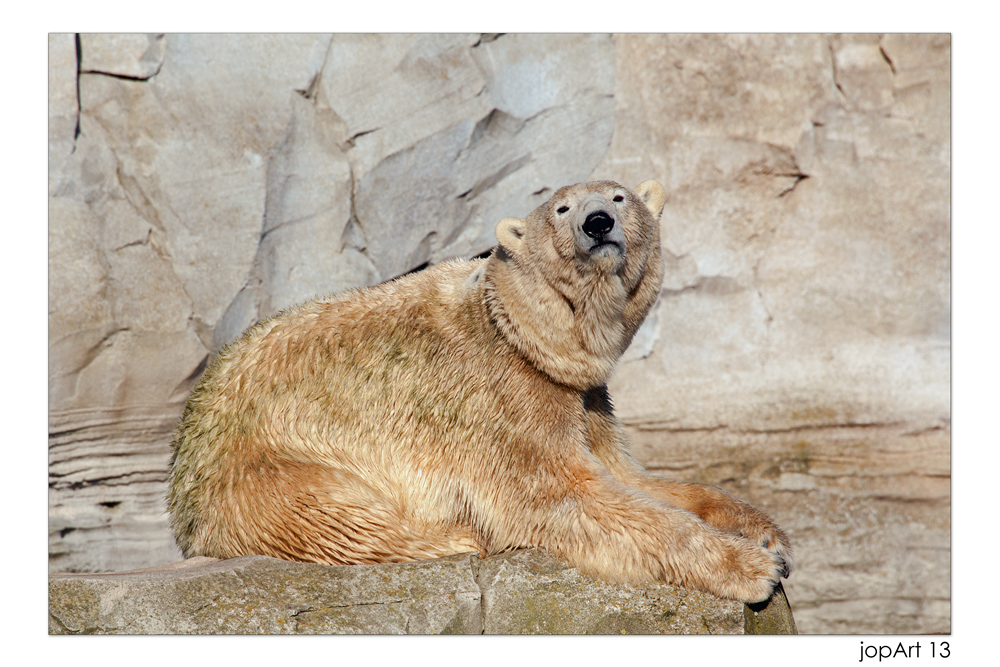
<point>459,409</point>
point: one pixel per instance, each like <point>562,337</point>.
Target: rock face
<point>525,592</point>
<point>216,179</point>
<point>799,354</point>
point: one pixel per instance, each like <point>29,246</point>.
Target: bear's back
<point>387,376</point>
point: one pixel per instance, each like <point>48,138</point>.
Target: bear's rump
<point>315,513</point>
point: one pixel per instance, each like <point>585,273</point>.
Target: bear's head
<point>570,284</point>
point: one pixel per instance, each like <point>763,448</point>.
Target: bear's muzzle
<point>600,232</point>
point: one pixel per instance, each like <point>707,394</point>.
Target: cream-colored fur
<point>463,408</point>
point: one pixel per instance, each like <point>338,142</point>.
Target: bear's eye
<point>619,198</point>
<point>562,209</point>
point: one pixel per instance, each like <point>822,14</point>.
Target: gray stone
<point>862,72</point>
<point>64,106</point>
<point>393,91</point>
<point>476,152</point>
<point>303,250</point>
<point>755,330</point>
<point>771,617</point>
<point>524,592</point>
<point>107,471</point>
<point>260,595</point>
<point>533,592</point>
<point>133,56</point>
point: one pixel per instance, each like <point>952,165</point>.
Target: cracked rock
<point>64,104</point>
<point>533,592</point>
<point>133,56</point>
<point>523,592</point>
<point>260,595</point>
<point>200,183</point>
<point>863,72</point>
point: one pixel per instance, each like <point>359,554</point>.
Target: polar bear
<point>463,409</point>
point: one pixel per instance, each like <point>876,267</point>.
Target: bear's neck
<point>572,332</point>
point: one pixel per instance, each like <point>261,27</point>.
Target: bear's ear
<point>510,234</point>
<point>652,195</point>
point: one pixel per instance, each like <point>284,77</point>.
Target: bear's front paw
<point>765,533</point>
<point>727,513</point>
<point>756,573</point>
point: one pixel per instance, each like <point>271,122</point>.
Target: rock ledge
<point>524,592</point>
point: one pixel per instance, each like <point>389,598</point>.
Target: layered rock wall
<point>799,351</point>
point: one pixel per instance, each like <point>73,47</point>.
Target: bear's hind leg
<point>312,513</point>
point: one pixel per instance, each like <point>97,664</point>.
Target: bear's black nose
<point>598,224</point>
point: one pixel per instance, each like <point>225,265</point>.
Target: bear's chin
<point>606,258</point>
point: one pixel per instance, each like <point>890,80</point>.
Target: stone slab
<point>522,592</point>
